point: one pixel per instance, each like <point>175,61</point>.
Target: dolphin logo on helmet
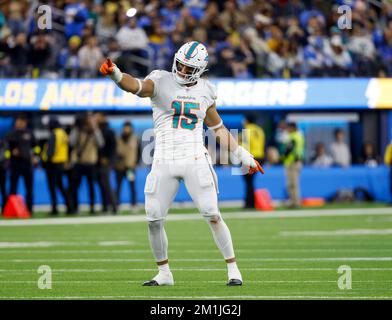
<point>193,55</point>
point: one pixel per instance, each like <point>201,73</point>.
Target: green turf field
<point>282,255</point>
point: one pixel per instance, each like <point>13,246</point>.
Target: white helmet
<point>194,55</point>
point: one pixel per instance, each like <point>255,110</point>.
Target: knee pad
<point>208,210</point>
<point>155,225</point>
<point>212,218</point>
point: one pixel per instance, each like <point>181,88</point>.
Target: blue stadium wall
<point>314,183</point>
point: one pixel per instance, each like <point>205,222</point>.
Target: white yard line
<point>81,270</point>
<point>193,216</point>
<point>313,297</point>
<point>311,259</point>
<point>343,232</point>
<point>190,281</point>
<point>214,251</point>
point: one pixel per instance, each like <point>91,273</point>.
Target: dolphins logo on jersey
<point>195,56</point>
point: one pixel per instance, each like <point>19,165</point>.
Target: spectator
<point>6,69</point>
<point>224,65</point>
<point>90,57</point>
<point>68,59</point>
<point>130,37</point>
<point>314,56</point>
<point>15,18</point>
<point>292,160</point>
<point>40,52</point>
<point>368,156</point>
<point>338,58</point>
<point>253,140</point>
<point>55,156</point>
<point>76,15</point>
<point>133,42</point>
<point>212,22</point>
<point>23,150</point>
<point>340,152</point>
<point>106,27</point>
<point>281,137</point>
<point>276,61</point>
<point>85,139</point>
<point>386,52</point>
<point>106,155</point>
<point>364,51</point>
<point>169,15</point>
<point>232,18</point>
<point>19,54</point>
<point>126,161</point>
<point>321,158</point>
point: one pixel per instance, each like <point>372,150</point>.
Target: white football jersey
<point>178,113</point>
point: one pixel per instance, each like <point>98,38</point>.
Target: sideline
<point>196,216</point>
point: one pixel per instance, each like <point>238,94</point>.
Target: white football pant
<point>201,182</point>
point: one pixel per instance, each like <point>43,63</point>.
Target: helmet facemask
<point>190,77</point>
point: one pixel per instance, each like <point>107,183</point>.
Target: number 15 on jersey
<point>183,115</point>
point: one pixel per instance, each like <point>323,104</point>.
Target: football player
<point>181,102</point>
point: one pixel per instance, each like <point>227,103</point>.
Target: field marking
<point>114,243</point>
<point>39,244</point>
<point>24,271</point>
<point>193,281</point>
<point>49,244</point>
<point>341,232</point>
<point>199,259</point>
<point>200,297</point>
<point>196,216</point>
<point>131,251</point>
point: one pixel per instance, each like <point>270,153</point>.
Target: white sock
<point>164,268</point>
<point>222,237</point>
<point>233,271</point>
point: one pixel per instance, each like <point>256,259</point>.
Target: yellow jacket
<point>253,140</point>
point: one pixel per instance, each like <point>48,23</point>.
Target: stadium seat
<point>16,208</point>
<point>263,200</point>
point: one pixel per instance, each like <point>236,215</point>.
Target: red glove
<point>258,168</point>
<point>107,67</point>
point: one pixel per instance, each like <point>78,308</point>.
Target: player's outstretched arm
<point>142,88</point>
<point>214,122</point>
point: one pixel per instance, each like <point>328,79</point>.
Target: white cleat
<point>161,279</point>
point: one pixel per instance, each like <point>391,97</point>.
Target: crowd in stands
<point>245,38</point>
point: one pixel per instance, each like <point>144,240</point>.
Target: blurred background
<point>275,63</point>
